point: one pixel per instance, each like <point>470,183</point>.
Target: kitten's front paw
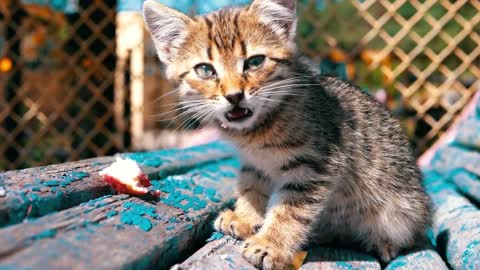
<point>230,223</point>
<point>265,255</point>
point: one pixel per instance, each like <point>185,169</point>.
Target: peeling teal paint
<point>138,215</point>
<point>131,218</point>
<point>215,236</point>
<point>471,255</point>
<point>51,183</point>
<point>112,213</point>
<point>162,157</point>
<point>45,234</point>
<point>344,265</point>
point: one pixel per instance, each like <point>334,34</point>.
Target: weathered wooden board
<point>123,232</point>
<point>38,191</point>
<point>456,228</point>
<point>452,178</point>
<point>223,253</point>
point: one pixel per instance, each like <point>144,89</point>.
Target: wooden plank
<point>220,254</point>
<point>422,259</point>
<point>123,232</point>
<point>223,253</point>
<point>456,226</point>
<point>38,191</point>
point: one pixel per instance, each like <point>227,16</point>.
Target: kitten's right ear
<point>168,28</point>
<point>280,15</point>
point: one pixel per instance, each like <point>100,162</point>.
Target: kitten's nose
<point>236,98</point>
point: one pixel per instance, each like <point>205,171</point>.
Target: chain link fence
<point>57,83</point>
<point>82,80</point>
<point>420,57</point>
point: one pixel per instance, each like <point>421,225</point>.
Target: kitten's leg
<point>254,190</point>
<point>287,226</point>
<point>396,226</point>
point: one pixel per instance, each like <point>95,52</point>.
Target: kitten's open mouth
<point>238,114</point>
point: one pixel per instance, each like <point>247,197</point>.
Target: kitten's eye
<point>253,62</point>
<point>205,71</point>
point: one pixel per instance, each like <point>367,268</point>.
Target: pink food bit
<point>126,177</point>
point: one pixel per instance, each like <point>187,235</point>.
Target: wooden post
<point>130,56</point>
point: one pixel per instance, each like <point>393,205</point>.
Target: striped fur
<point>337,163</point>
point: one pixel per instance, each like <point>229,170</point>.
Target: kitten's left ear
<point>280,15</point>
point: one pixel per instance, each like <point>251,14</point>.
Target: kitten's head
<point>232,65</point>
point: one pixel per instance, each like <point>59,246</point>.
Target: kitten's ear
<point>168,28</point>
<point>279,14</point>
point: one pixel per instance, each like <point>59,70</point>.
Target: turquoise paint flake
<point>142,209</point>
<point>45,234</point>
<point>198,190</point>
<point>34,197</point>
<point>138,215</point>
<point>184,202</point>
<point>344,265</point>
<point>210,192</point>
<point>470,255</point>
<point>171,227</point>
<point>215,236</point>
<point>131,218</point>
<point>183,193</point>
<point>112,213</point>
<point>166,156</point>
<point>399,262</point>
<point>97,203</point>
<point>51,183</point>
<point>64,180</point>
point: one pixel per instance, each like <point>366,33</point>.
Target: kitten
<point>338,163</point>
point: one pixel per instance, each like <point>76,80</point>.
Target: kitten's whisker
<point>194,117</point>
<point>165,95</point>
<point>186,112</point>
<point>178,109</point>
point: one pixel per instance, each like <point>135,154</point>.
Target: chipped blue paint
<point>418,260</point>
<point>162,157</point>
<point>51,183</point>
<point>215,236</point>
<point>45,234</point>
<point>171,227</point>
<point>98,202</point>
<point>112,213</point>
<point>131,218</point>
<point>198,190</point>
<point>471,256</point>
<point>138,215</point>
<point>344,265</point>
<point>184,193</point>
<point>34,197</point>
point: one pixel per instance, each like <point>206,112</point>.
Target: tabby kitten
<point>338,163</point>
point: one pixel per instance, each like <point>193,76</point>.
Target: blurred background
<point>80,78</point>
